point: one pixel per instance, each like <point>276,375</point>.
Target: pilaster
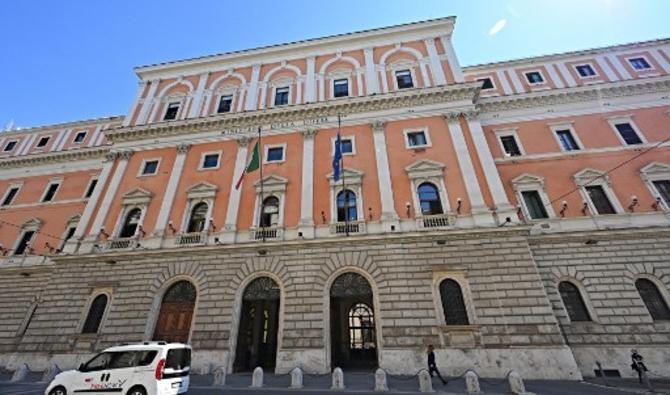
<point>252,93</point>
<point>197,98</point>
<point>148,102</point>
<point>452,59</point>
<point>307,196</point>
<point>389,216</point>
<point>370,73</point>
<point>435,64</point>
<point>171,190</point>
<point>310,87</point>
<point>230,225</point>
<point>140,88</point>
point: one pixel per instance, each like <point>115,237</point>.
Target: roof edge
<point>110,118</point>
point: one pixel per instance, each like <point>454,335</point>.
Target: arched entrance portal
<point>352,323</point>
<point>176,313</point>
<point>259,320</point>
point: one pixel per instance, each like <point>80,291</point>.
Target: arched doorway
<point>352,323</point>
<point>259,321</point>
<point>176,313</point>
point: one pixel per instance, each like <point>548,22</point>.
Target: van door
<point>93,374</point>
<point>177,369</point>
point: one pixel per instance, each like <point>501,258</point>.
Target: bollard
<point>296,378</point>
<point>380,380</point>
<point>20,373</point>
<point>219,377</point>
<point>516,383</point>
<point>50,373</point>
<point>257,378</point>
<point>338,379</point>
<point>425,382</point>
<point>472,382</point>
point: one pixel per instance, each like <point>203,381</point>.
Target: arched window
<point>198,218</point>
<point>361,327</point>
<point>95,313</point>
<point>270,212</point>
<point>573,302</point>
<point>653,299</point>
<point>346,206</point>
<point>131,223</point>
<point>453,304</point>
<point>429,198</point>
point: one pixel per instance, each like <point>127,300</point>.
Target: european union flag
<point>337,158</point>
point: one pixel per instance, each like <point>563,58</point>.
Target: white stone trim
<point>252,92</point>
<point>141,85</point>
<point>660,286</point>
<point>94,138</point>
<point>617,119</point>
<point>656,171</point>
<point>28,145</point>
<point>593,177</point>
<point>426,134</point>
<point>57,141</point>
<point>351,137</point>
<point>532,85</point>
<point>266,151</point>
<point>554,75</point>
<point>556,127</point>
<point>619,67</point>
<point>55,181</point>
<point>30,225</point>
<point>107,291</point>
<point>94,178</point>
<point>283,84</point>
<point>460,278</point>
<point>166,101</point>
<point>171,189</point>
<point>272,186</point>
<point>202,160</point>
<point>383,173</point>
<point>235,194</point>
<point>569,80</point>
<point>658,56</point>
<point>18,185</point>
<point>77,134</point>
<point>140,171</point>
<point>310,86</point>
<point>452,59</point>
<point>500,133</point>
<point>515,80</point>
<point>149,102</point>
<point>187,215</point>
<point>600,60</point>
<point>651,67</point>
<point>583,293</point>
<point>354,183</point>
<point>93,200</point>
<point>108,197</point>
<point>528,183</point>
<point>307,191</point>
<point>126,208</point>
<point>371,78</point>
<point>197,98</point>
<point>507,89</point>
<point>435,64</point>
<point>465,163</point>
<point>16,141</point>
<point>403,65</point>
<point>336,76</point>
<point>427,171</point>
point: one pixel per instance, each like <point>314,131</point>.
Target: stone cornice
<point>577,94</point>
<point>54,157</point>
<point>59,126</point>
<point>354,105</point>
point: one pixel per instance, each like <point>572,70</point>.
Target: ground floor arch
<point>176,313</point>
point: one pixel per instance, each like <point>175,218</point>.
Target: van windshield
<point>178,359</point>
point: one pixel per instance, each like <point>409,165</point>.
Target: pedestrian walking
<point>638,364</point>
<point>432,367</point>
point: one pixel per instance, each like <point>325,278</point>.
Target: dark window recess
<point>79,138</point>
<point>347,146</point>
<point>91,188</point>
<point>172,110</point>
<point>275,154</point>
<point>534,204</point>
<point>210,161</point>
<point>51,192</point>
<point>663,187</point>
<point>416,139</point>
<point>653,299</point>
<point>150,167</point>
<point>487,83</point>
<point>346,206</point>
<point>24,244</point>
<point>534,77</point>
<point>341,88</point>
<point>11,194</point>
<point>404,79</point>
<point>68,236</point>
<point>639,63</point>
<point>453,304</point>
<point>607,373</point>
<point>131,223</point>
<point>9,146</point>
<point>429,198</point>
<point>270,212</point>
<point>43,142</point>
<point>510,145</point>
<point>573,302</point>
<point>628,133</point>
<point>600,200</point>
<point>225,104</point>
<point>95,313</point>
<point>178,359</point>
<point>567,141</point>
<point>281,96</point>
<point>585,70</point>
<point>198,218</point>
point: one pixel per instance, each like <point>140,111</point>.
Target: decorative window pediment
<point>137,196</point>
<point>656,170</point>
<point>591,176</point>
<point>425,169</point>
<point>272,183</point>
<point>351,177</point>
<point>202,190</point>
<point>32,223</point>
<point>527,181</point>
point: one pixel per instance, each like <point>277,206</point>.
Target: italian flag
<point>253,164</point>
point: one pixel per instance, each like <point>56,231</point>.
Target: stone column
<point>452,59</point>
<point>307,196</point>
<point>252,93</point>
<point>310,87</point>
<point>370,74</point>
<point>230,225</point>
<point>388,215</point>
<point>435,64</point>
<point>148,103</point>
<point>171,190</point>
<point>197,98</point>
<point>136,102</point>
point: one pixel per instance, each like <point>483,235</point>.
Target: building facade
<point>516,215</point>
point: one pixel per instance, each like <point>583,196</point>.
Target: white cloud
<point>497,27</point>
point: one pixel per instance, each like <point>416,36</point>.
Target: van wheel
<point>60,390</point>
<point>137,390</point>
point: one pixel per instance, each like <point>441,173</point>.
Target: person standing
<point>432,367</point>
<point>638,363</point>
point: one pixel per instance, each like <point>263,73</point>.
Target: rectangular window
<point>275,154</point>
<point>79,138</point>
<point>9,197</point>
<point>347,146</point>
<point>568,142</point>
<point>150,167</point>
<point>417,139</point>
<point>68,236</point>
<point>91,188</point>
<point>404,79</point>
<point>599,199</point>
<point>281,96</point>
<point>9,146</point>
<point>510,146</point>
<point>534,204</point>
<point>628,134</point>
<point>172,110</point>
<point>210,161</point>
<point>534,77</point>
<point>585,70</point>
<point>24,244</point>
<point>43,142</point>
<point>51,192</point>
<point>225,104</point>
<point>341,88</point>
<point>663,188</point>
<point>639,63</point>
<point>487,83</point>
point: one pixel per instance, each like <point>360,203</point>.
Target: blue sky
<point>71,60</point>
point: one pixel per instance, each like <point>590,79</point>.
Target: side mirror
<point>81,367</point>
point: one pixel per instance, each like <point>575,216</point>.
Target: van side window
<point>178,359</point>
<point>99,362</point>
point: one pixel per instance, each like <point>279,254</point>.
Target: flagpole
<point>345,204</point>
<point>260,161</point>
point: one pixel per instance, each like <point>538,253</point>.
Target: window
<point>534,204</point>
<point>91,188</point>
<point>178,359</point>
<point>453,304</point>
<point>510,145</point>
<point>346,206</point>
<point>150,167</point>
<point>534,77</point>
<point>341,88</point>
<point>585,70</point>
<point>50,192</point>
<point>274,154</point>
<point>68,236</point>
<point>43,142</point>
<point>131,223</point>
<point>9,146</point>
<point>653,299</point>
<point>171,111</point>
<point>599,199</point>
<point>269,212</point>
<point>568,142</point>
<point>210,161</point>
<point>24,244</point>
<point>487,83</point>
<point>404,79</point>
<point>416,139</point>
<point>627,133</point>
<point>573,302</point>
<point>281,96</point>
<point>95,313</point>
<point>79,138</point>
<point>639,63</point>
<point>361,327</point>
<point>198,218</point>
<point>429,199</point>
<point>225,104</point>
<point>347,146</point>
<point>663,188</point>
<point>10,195</point>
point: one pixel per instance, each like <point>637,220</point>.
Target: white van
<point>150,368</point>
